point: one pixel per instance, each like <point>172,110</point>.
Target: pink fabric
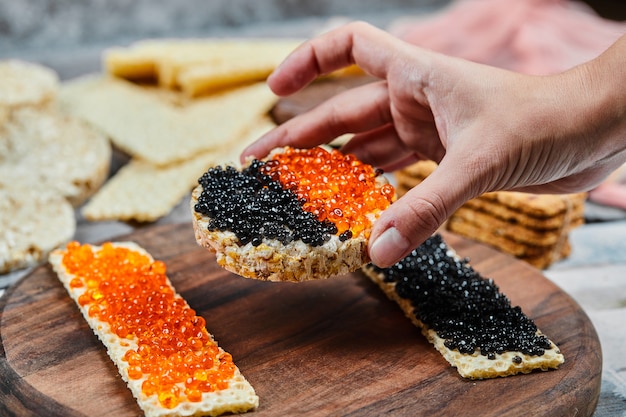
<point>529,36</point>
<point>609,194</point>
<point>537,37</point>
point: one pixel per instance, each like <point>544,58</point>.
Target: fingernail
<point>388,248</point>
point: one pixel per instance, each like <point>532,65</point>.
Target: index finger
<point>355,43</point>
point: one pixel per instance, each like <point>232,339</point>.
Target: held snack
<point>301,214</point>
<point>465,316</point>
<point>162,349</point>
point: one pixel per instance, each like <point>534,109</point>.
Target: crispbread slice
<point>145,192</point>
<point>538,205</point>
<point>199,65</point>
<point>239,396</point>
<point>469,365</point>
<point>157,131</point>
<point>33,222</point>
<point>576,215</point>
<point>520,233</point>
<point>532,227</point>
<point>538,256</point>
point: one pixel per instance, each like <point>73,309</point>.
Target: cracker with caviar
<point>298,215</point>
<point>464,315</point>
<point>161,347</point>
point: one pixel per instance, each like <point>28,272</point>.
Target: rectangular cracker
<point>516,232</point>
<point>539,256</point>
<point>239,396</point>
<point>575,217</point>
<point>145,192</point>
<point>542,206</point>
<point>537,206</point>
<point>144,125</point>
<point>199,65</point>
<point>474,365</point>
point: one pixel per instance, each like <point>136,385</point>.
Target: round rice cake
<point>26,84</point>
<point>55,151</point>
<point>33,222</point>
<point>298,215</point>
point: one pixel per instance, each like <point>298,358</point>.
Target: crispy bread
<point>145,125</point>
<point>198,66</point>
<point>472,364</point>
<point>237,397</point>
<point>532,227</point>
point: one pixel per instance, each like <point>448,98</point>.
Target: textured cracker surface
<point>33,222</point>
<point>144,192</point>
<point>273,261</point>
<point>474,366</point>
<point>25,84</point>
<point>198,66</point>
<point>531,227</point>
<point>144,125</point>
<point>55,151</point>
<point>239,397</point>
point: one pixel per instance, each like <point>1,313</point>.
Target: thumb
<point>418,214</point>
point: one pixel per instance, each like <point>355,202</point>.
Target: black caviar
<point>253,206</point>
<point>465,309</point>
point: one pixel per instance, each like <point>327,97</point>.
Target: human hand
<point>489,129</point>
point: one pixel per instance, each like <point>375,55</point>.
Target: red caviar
<point>175,355</point>
<point>332,185</point>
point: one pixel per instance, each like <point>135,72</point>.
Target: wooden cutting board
<point>326,348</point>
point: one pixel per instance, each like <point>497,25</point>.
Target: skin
<point>489,129</point>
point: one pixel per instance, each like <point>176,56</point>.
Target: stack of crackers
<point>532,227</point>
<point>176,107</point>
<point>50,163</point>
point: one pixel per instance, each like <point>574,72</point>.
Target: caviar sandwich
<point>464,315</point>
<point>162,349</point>
<point>300,214</point>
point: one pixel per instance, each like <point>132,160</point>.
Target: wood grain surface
<point>336,347</point>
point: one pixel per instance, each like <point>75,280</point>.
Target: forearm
<point>584,111</point>
<point>603,89</point>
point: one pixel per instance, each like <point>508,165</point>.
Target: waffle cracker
<point>474,365</point>
<point>145,192</point>
<point>238,397</point>
<point>143,124</point>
